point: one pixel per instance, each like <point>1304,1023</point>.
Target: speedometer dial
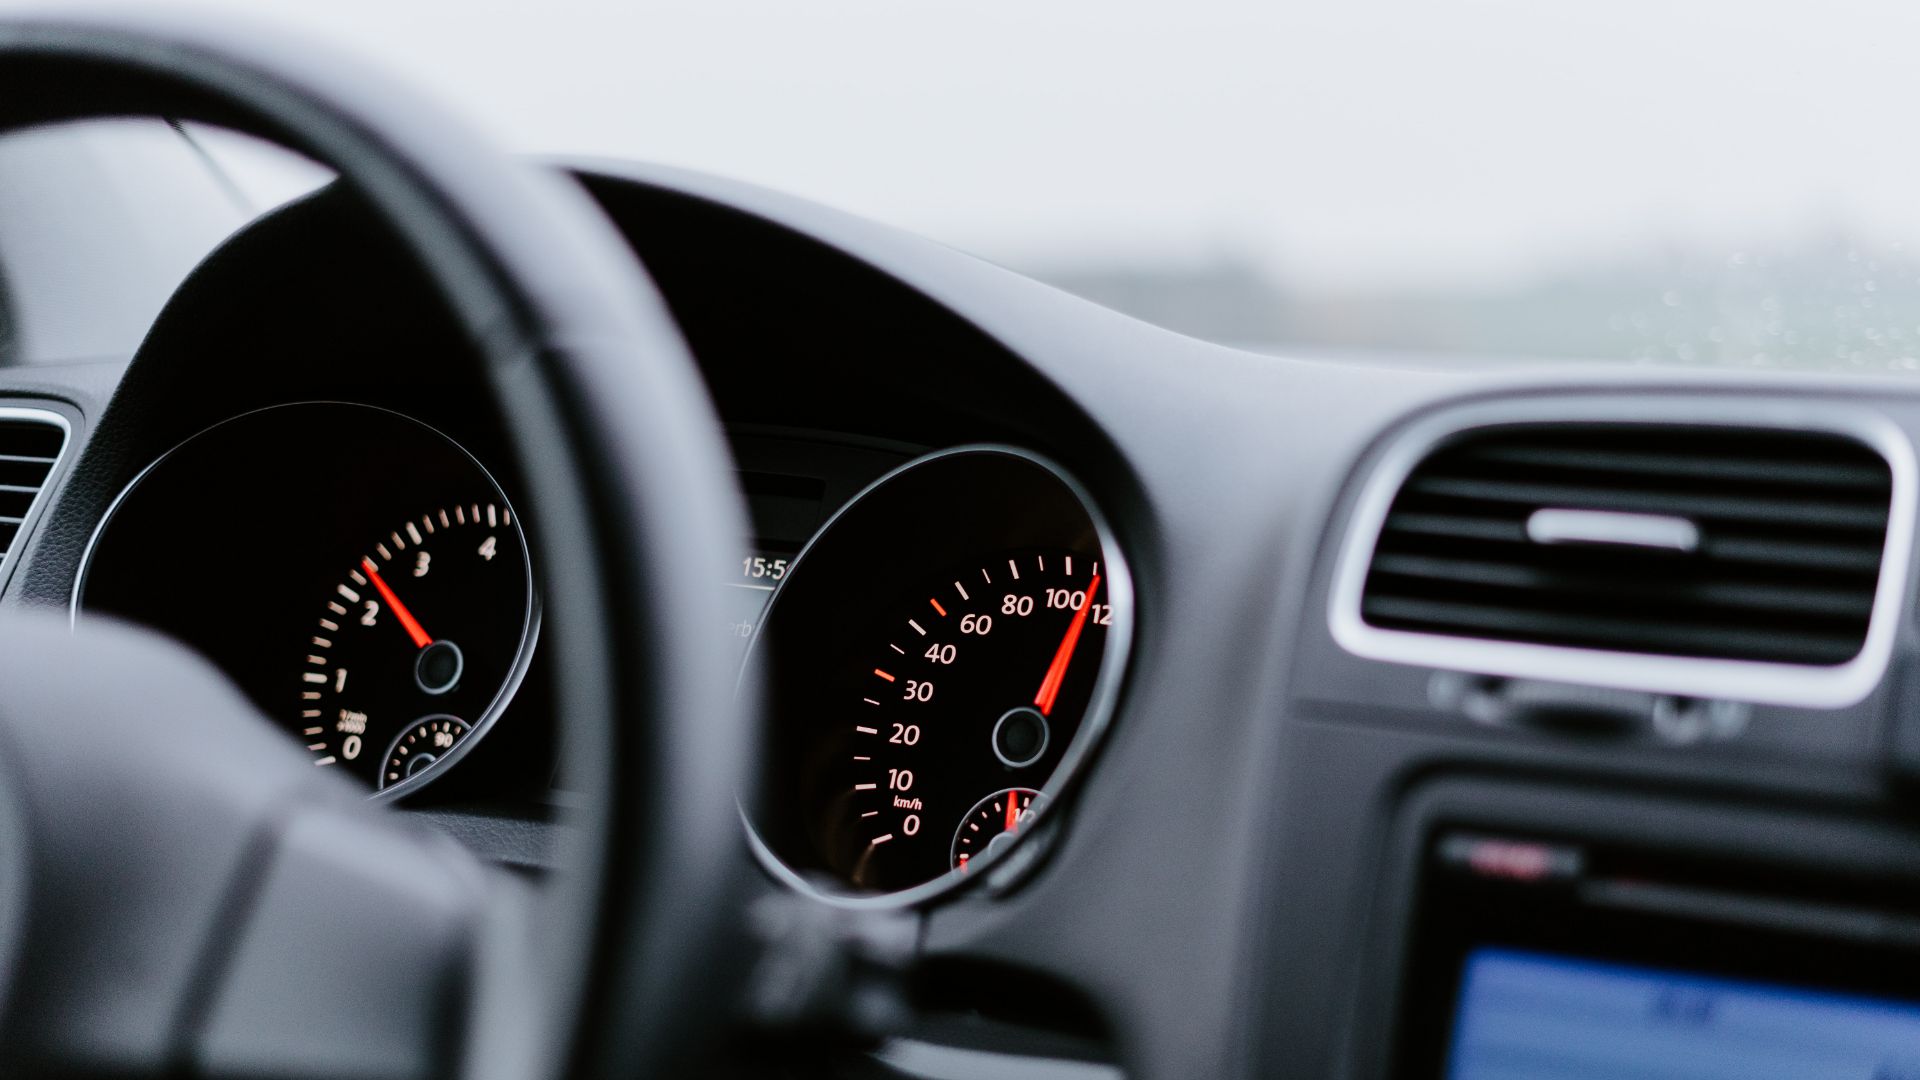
<point>967,692</point>
<point>940,658</point>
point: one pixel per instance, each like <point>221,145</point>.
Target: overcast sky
<point>1338,143</point>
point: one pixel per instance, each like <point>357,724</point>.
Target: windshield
<point>1724,182</point>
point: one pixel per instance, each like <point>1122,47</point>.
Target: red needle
<point>421,639</point>
<point>1013,809</point>
<point>1057,671</point>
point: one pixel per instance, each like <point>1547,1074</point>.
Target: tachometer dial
<point>424,626</point>
<point>944,651</point>
<point>371,578</point>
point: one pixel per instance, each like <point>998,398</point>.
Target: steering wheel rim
<point>630,492</point>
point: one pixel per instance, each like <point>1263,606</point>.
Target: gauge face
<point>420,746</point>
<point>978,686</point>
<point>420,632</point>
<point>937,659</point>
<point>374,589</point>
<point>993,824</point>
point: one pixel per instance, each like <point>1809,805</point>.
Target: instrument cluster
<point>940,649</point>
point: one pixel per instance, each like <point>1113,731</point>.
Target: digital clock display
<point>757,573</point>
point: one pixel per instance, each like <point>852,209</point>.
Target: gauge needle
<point>421,639</point>
<point>1013,810</point>
<point>1057,671</point>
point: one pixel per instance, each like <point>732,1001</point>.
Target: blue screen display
<point>1542,1017</point>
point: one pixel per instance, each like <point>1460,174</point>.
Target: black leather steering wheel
<point>164,913</point>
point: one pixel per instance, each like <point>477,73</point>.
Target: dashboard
<point>1206,713</point>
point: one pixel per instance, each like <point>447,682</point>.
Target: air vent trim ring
<point>1760,682</point>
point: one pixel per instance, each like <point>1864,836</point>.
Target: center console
<point>1555,935</point>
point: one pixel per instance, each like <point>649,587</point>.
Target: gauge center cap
<point>438,667</point>
<point>1020,737</point>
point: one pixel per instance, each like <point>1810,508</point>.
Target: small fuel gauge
<point>993,823</point>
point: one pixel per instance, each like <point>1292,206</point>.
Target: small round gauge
<point>993,823</point>
<point>356,572</point>
<point>417,748</point>
<point>939,660</point>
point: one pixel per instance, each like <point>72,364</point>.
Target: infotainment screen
<point>1542,1016</point>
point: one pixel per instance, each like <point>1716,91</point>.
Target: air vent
<point>30,446</point>
<point>1677,540</point>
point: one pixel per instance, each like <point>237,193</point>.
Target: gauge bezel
<point>1097,719</point>
<point>530,625</point>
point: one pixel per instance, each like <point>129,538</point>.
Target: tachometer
<point>374,591</point>
<point>940,658</point>
<point>413,642</point>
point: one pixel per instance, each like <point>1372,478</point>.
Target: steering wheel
<point>171,909</point>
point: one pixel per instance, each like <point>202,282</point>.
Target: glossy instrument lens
<point>948,641</point>
<point>356,572</point>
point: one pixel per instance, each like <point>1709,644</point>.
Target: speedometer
<point>940,658</point>
<point>939,727</point>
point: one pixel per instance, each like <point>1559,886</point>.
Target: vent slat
<point>1459,527</point>
<point>1814,512</point>
<point>1862,556</point>
<point>32,439</point>
<point>1625,635</point>
<point>1792,529</point>
<point>1659,467</point>
<point>1609,590</point>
